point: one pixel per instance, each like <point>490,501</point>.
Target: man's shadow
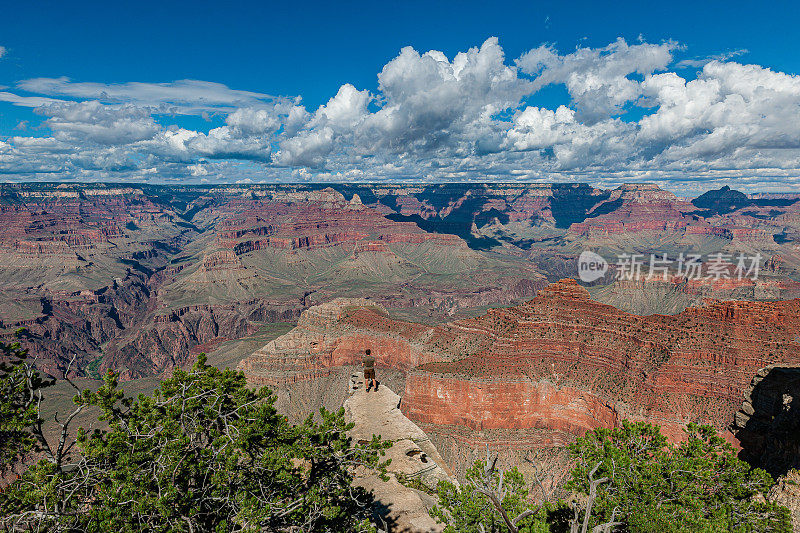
<point>381,516</point>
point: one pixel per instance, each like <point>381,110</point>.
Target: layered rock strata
<point>134,278</point>
<point>552,368</point>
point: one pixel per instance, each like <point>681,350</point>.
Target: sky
<point>689,95</point>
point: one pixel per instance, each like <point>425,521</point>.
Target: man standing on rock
<point>369,370</point>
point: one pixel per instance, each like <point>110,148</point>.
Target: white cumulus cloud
<point>632,111</point>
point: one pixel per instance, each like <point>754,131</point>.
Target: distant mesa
<point>721,201</point>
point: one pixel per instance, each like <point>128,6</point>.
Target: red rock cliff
<point>560,362</point>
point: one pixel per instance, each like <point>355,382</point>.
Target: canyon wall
<point>542,372</point>
<point>134,278</point>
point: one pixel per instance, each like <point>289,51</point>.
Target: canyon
<point>466,292</point>
<point>135,277</point>
<point>536,375</point>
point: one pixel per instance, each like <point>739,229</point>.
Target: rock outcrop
<point>787,494</point>
<point>635,209</point>
<point>768,423</point>
<point>554,367</point>
<point>309,225</point>
<point>414,458</point>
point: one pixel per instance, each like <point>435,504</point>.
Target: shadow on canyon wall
<point>768,424</point>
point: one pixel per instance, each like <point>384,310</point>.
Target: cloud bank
<point>631,112</point>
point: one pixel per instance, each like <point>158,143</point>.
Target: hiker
<point>369,370</point>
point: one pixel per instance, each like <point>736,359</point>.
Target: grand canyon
<point>398,267</point>
<point>468,294</point>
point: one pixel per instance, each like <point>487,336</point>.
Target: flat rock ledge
<point>402,509</point>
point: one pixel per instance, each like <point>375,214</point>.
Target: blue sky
<point>260,57</point>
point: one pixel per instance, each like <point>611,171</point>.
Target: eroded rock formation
<point>134,277</point>
<point>768,423</point>
<point>549,369</point>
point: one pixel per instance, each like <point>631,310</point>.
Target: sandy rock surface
<point>412,454</point>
